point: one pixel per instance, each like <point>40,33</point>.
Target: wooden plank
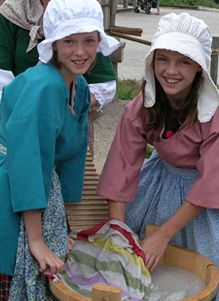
<point>129,37</point>
<point>214,60</point>
<point>100,292</point>
<point>103,292</point>
<point>127,30</point>
<point>63,293</point>
<point>93,208</point>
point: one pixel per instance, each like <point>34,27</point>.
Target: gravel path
<point>104,129</point>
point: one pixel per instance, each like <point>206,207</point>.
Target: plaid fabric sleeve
<point>4,287</point>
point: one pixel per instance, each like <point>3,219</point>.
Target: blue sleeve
<point>31,132</point>
<point>71,175</point>
<point>30,155</point>
<point>71,172</point>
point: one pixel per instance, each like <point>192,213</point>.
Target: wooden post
<point>103,292</point>
<point>125,3</point>
<point>113,8</point>
<point>116,57</point>
<point>106,12</point>
<point>214,60</point>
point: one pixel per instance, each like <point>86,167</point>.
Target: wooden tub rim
<point>60,290</point>
<point>212,282</point>
<point>209,292</point>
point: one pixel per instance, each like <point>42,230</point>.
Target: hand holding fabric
<point>47,260</point>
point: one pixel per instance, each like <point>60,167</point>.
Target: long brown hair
<point>54,60</point>
<point>186,115</point>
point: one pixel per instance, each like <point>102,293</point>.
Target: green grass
<point>190,3</point>
<point>128,89</point>
<point>149,151</point>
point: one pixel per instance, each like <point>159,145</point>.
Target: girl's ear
<point>199,68</point>
<point>99,38</point>
<point>54,48</point>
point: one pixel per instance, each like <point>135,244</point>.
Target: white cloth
<point>5,78</point>
<point>65,17</point>
<point>103,92</point>
<point>191,37</point>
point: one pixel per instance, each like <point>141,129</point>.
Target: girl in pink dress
<point>177,113</point>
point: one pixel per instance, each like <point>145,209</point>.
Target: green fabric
<point>102,70</point>
<point>13,44</point>
<point>40,133</point>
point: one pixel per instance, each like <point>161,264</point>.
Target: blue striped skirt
<point>161,191</point>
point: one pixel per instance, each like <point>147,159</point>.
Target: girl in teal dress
<point>43,143</point>
<point>21,30</point>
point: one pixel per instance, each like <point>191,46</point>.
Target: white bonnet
<point>65,17</point>
<point>191,37</point>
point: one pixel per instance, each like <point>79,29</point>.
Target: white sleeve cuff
<point>6,77</point>
<point>103,92</point>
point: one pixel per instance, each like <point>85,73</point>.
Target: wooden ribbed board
<point>93,208</point>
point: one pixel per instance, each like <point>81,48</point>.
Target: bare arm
<point>47,260</point>
<point>93,101</point>
<point>116,210</point>
<point>155,245</point>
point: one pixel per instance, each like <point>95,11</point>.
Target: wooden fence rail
<point>214,59</point>
<point>214,56</point>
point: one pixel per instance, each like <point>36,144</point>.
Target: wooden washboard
<point>93,208</point>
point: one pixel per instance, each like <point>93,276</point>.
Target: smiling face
<point>76,53</point>
<point>175,73</point>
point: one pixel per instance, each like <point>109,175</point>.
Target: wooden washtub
<point>174,256</point>
<point>92,210</point>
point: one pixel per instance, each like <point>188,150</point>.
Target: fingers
<point>52,264</point>
<point>151,261</point>
<point>47,260</point>
<point>70,244</point>
<point>154,247</point>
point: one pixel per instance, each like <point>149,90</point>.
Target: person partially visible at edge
<point>158,7</point>
<point>43,144</point>
<point>177,113</point>
<point>101,79</point>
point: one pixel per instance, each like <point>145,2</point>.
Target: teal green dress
<point>38,133</point>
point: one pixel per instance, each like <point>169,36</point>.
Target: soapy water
<point>174,284</point>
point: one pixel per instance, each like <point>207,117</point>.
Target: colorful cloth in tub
<point>108,253</point>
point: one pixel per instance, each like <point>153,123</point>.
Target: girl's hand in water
<point>154,247</point>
